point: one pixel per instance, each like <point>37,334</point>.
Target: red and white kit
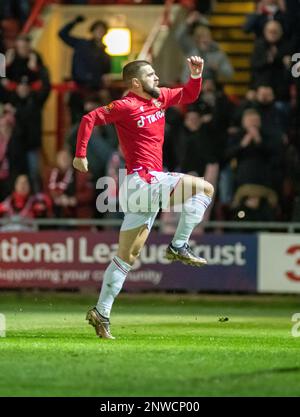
<point>140,125</point>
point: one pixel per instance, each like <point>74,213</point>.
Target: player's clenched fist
<point>196,65</point>
<point>81,164</point>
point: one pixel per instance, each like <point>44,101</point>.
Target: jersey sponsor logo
<point>109,107</point>
<point>152,118</point>
<point>141,122</point>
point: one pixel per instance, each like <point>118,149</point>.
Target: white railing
<point>34,224</point>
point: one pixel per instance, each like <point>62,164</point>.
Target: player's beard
<point>152,91</point>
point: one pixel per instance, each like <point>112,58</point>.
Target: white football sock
<point>191,215</point>
<point>113,281</point>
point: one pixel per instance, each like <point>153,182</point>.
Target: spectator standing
<point>266,10</point>
<point>17,9</point>
<point>250,152</point>
<point>22,61</point>
<point>7,123</point>
<point>90,64</point>
<point>271,61</point>
<point>194,37</point>
<point>27,137</point>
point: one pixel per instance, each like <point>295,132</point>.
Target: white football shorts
<point>141,201</point>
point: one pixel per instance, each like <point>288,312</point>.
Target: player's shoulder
<point>164,94</point>
<point>131,100</point>
<point>117,105</point>
<point>164,91</point>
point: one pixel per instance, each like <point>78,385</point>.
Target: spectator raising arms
<point>22,61</point>
<point>90,61</point>
<point>90,65</point>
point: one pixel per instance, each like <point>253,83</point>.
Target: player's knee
<point>131,259</point>
<point>128,257</point>
<point>134,255</point>
<point>208,189</point>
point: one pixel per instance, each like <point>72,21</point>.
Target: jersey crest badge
<point>109,107</point>
<point>156,103</point>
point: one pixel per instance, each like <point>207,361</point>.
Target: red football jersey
<point>140,124</point>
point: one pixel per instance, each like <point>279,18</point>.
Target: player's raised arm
<point>100,116</point>
<point>196,65</point>
<point>191,90</point>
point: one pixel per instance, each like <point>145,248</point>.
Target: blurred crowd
<point>249,147</point>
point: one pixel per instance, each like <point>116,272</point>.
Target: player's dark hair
<point>133,69</point>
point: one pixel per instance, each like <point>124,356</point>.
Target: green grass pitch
<point>167,345</point>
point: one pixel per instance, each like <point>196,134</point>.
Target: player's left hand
<point>196,65</point>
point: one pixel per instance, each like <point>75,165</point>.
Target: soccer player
<point>139,120</point>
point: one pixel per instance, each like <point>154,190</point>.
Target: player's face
<point>149,81</point>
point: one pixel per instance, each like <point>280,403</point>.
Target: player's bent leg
<point>195,195</point>
<point>211,175</point>
<point>189,186</point>
<point>130,244</point>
